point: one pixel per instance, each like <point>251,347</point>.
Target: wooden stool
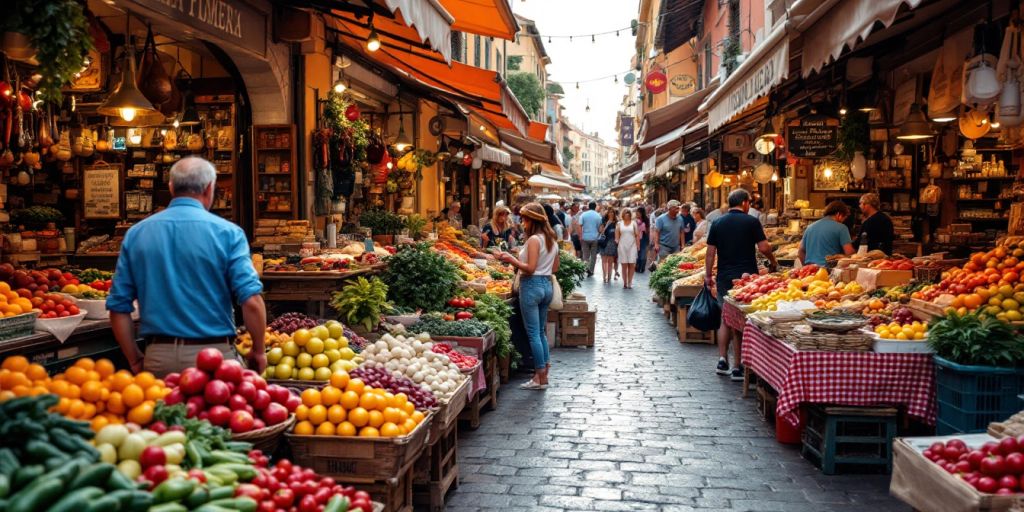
<point>849,435</point>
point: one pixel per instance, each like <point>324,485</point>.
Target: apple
<point>974,457</point>
<point>293,402</point>
<point>230,371</point>
<point>1009,481</point>
<point>278,394</point>
<point>241,421</point>
<point>174,397</point>
<point>216,392</point>
<point>246,390</point>
<point>261,401</point>
<point>993,465</point>
<point>275,413</point>
<point>987,484</point>
<point>209,360</point>
<point>258,424</point>
<point>1015,463</point>
<point>220,415</point>
<point>195,405</point>
<point>1008,445</point>
<point>172,379</point>
<point>237,403</point>
<point>193,381</point>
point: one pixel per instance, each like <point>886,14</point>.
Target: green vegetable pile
<point>204,438</point>
<point>973,340</point>
<point>91,274</point>
<point>420,279</point>
<point>495,312</point>
<point>36,217</point>
<point>571,272</point>
<point>362,302</point>
<point>667,273</point>
<point>433,324</point>
<point>382,222</point>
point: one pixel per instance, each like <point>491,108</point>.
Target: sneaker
<point>723,367</point>
<point>737,374</point>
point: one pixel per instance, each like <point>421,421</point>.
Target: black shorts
<point>723,284</point>
<point>576,243</point>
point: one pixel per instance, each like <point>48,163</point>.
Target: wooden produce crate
<point>437,471</point>
<point>299,385</point>
<point>360,459</point>
<point>477,401</point>
<point>687,333</point>
<point>923,485</point>
<point>394,494</point>
<point>577,328</point>
<point>926,308</point>
<point>447,414</point>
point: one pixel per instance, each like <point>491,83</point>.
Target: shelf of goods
<point>275,181</point>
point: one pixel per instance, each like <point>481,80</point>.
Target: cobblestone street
<point>641,422</point>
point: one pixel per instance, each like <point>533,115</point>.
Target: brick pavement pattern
<point>641,422</point>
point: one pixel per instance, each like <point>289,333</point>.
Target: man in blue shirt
<point>827,236</point>
<point>590,226</point>
<point>668,231</point>
<point>688,223</point>
<point>187,268</point>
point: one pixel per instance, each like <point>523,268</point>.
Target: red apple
<point>172,379</point>
<point>174,397</point>
<point>987,484</point>
<point>275,413</point>
<point>292,403</point>
<point>220,415</point>
<point>195,405</point>
<point>209,360</point>
<point>1009,482</point>
<point>241,421</point>
<point>258,424</point>
<point>278,394</point>
<point>246,390</point>
<point>993,465</point>
<point>261,401</point>
<point>229,371</point>
<point>237,403</point>
<point>193,381</point>
<point>1008,445</point>
<point>216,392</point>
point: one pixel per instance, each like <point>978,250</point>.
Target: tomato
<point>974,457</point>
<point>987,484</point>
<point>993,465</point>
<point>73,310</point>
<point>284,498</point>
<point>63,314</point>
<point>1008,445</point>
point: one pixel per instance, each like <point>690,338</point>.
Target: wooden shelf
<point>990,178</point>
<point>269,154</point>
<point>273,149</point>
<point>967,219</point>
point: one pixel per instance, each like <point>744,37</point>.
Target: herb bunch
<point>973,340</point>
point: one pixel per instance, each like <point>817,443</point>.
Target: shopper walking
<point>689,224</point>
<point>701,231</point>
<point>610,250</point>
<point>497,232</point>
<point>537,262</point>
<point>733,240</point>
<point>590,231</point>
<point>186,267</point>
<point>643,227</point>
<point>628,241</point>
<point>574,229</point>
<point>668,232</point>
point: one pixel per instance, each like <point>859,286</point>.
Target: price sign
<point>813,137</point>
<point>101,192</point>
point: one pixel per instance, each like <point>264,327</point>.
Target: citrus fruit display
<point>348,407</point>
<point>989,284</point>
<point>311,354</point>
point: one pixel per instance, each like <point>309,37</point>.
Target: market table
<point>842,378</point>
<point>313,288</point>
<point>92,338</point>
<point>732,316</point>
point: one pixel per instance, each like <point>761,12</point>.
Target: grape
<point>288,323</point>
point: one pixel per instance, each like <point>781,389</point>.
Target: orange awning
<point>484,17</point>
<point>538,131</point>
<point>482,88</point>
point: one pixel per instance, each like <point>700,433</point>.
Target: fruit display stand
<point>381,466</point>
<point>924,485</point>
<point>92,338</point>
<point>488,396</point>
<point>313,288</point>
<point>437,470</point>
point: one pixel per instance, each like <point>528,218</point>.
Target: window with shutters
<point>458,47</point>
<point>476,51</point>
<point>487,53</point>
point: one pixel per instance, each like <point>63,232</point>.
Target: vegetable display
<point>666,273</point>
<point>291,322</point>
<point>412,357</point>
<point>362,302</point>
<point>992,468</point>
<point>495,312</point>
<point>434,324</point>
<point>571,272</point>
<point>348,407</point>
<point>463,361</point>
<point>975,340</point>
<point>311,354</point>
<point>395,382</point>
<point>420,279</point>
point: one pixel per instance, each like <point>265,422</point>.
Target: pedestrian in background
<point>628,240</point>
<point>668,231</point>
<point>574,228</point>
<point>455,215</point>
<point>713,213</point>
<point>701,231</point>
<point>643,225</point>
<point>689,225</point>
<point>537,262</point>
<point>590,232</point>
<point>610,250</point>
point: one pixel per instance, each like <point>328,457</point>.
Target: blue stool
<point>849,435</point>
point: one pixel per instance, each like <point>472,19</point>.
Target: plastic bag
<point>705,312</point>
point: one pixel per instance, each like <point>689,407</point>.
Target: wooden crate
<point>477,402</point>
<point>360,459</point>
<point>448,413</point>
<point>687,333</point>
<point>767,400</point>
<point>437,471</point>
<point>577,336</point>
<point>394,493</point>
<point>577,319</point>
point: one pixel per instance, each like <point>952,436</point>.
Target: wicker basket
<point>266,439</point>
<point>855,341</point>
<point>298,386</point>
<point>17,326</point>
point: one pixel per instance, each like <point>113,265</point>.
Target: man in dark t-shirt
<point>877,225</point>
<point>733,239</point>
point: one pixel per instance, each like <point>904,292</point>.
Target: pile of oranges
<point>89,390</point>
<point>12,304</point>
<point>348,407</point>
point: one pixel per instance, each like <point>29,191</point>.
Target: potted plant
<point>55,33</point>
<point>416,224</point>
<point>384,224</point>
<point>571,272</point>
<point>361,303</point>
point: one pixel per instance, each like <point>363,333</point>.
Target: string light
<point>373,40</point>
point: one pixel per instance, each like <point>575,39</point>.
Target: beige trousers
<point>164,358</point>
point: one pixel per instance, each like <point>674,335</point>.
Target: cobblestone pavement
<point>641,422</point>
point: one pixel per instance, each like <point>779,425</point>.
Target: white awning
<point>845,25</point>
<point>541,181</point>
<point>634,180</point>
<point>766,67</point>
<point>489,153</point>
<point>669,162</point>
<point>431,21</point>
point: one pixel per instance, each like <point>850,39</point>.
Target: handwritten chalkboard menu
<point>813,137</point>
<point>101,192</point>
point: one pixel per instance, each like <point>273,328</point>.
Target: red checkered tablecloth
<point>843,378</point>
<point>732,317</point>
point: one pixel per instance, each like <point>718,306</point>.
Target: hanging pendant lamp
<point>127,101</point>
<point>916,127</point>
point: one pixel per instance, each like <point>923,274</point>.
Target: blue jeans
<point>535,293</point>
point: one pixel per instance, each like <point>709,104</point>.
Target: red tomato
<point>73,310</point>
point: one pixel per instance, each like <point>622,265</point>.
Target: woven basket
<point>17,326</point>
<point>854,341</point>
<point>266,439</point>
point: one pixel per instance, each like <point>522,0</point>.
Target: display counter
<point>92,338</point>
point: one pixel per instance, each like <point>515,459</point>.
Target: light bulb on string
<point>616,33</point>
<point>577,86</point>
<point>616,78</point>
<point>593,38</point>
<point>570,39</point>
<point>373,40</point>
<point>549,39</point>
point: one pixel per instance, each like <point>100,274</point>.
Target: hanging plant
<point>59,33</point>
<point>854,135</point>
<point>654,182</point>
<point>336,115</point>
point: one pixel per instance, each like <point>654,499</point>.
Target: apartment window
<point>476,51</point>
<point>498,62</point>
<point>458,47</point>
<point>487,53</point>
<point>707,62</point>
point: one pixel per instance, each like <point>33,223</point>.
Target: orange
<point>6,395</point>
<point>369,432</point>
<point>145,379</point>
<point>154,392</point>
<point>75,409</point>
<point>88,411</point>
<point>74,391</point>
<point>301,412</point>
<point>400,400</point>
<point>336,414</point>
<point>410,425</point>
<point>330,395</point>
<point>310,397</point>
<point>39,390</point>
<point>359,417</point>
<point>304,428</point>
<point>115,404</point>
<point>104,367</point>
<point>389,400</point>
<point>77,375</point>
<point>403,415</point>
<point>63,405</point>
<point>7,379</point>
<point>317,414</point>
<point>98,423</point>
<point>378,391</point>
<point>369,401</point>
<point>91,391</point>
<point>349,400</point>
<point>389,430</point>
<point>339,379</point>
<point>121,380</point>
<point>410,407</point>
<point>972,301</point>
<point>345,429</point>
<point>4,287</point>
<point>93,375</point>
<point>417,416</point>
<point>356,385</point>
<point>376,419</point>
<point>141,414</point>
<point>21,390</point>
<point>133,395</point>
<point>36,372</point>
<point>325,429</point>
<point>24,304</point>
<point>86,363</point>
<point>392,415</point>
<point>15,364</point>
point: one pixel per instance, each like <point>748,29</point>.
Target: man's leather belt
<point>220,340</point>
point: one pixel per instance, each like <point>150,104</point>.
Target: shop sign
<point>626,131</point>
<point>656,82</point>
<point>756,83</point>
<point>226,20</point>
<point>682,85</point>
<point>813,137</point>
<point>101,192</point>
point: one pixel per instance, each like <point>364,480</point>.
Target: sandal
<point>531,385</point>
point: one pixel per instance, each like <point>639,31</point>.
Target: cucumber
<point>117,481</point>
<point>209,507</point>
<point>8,462</point>
<point>5,486</point>
<point>66,472</point>
<point>225,456</point>
<point>36,496</point>
<point>25,475</point>
<point>141,501</point>
<point>124,497</point>
<point>77,500</point>
<point>198,497</point>
<point>337,503</point>
<point>222,492</point>
<point>41,451</point>
<point>168,507</point>
<point>173,490</point>
<point>96,475</point>
<point>242,504</point>
<point>106,503</point>
<point>245,472</point>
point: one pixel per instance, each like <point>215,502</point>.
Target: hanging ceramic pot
<point>974,124</point>
<point>981,86</point>
<point>153,80</point>
<point>18,46</point>
<point>763,173</point>
<point>63,146</point>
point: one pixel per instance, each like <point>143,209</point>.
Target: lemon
<point>901,336</point>
<point>1010,304</point>
<point>315,346</point>
<point>288,360</point>
<point>291,348</point>
<point>347,353</point>
<point>335,329</point>
<point>331,344</point>
<point>1014,316</point>
<point>332,355</point>
<point>322,374</point>
<point>306,374</point>
<point>303,360</point>
<point>283,371</point>
<point>301,337</point>
<point>919,335</point>
<point>321,332</point>
<point>320,361</point>
<point>275,355</point>
<point>342,342</point>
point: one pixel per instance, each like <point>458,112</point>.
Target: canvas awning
<point>669,122</point>
<point>489,153</point>
<point>633,181</point>
<point>678,22</point>
<point>430,20</point>
<point>537,151</point>
<point>541,181</point>
<point>491,18</point>
<point>844,26</point>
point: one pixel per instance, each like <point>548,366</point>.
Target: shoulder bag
<point>556,295</point>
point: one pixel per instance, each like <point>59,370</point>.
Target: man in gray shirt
<point>668,232</point>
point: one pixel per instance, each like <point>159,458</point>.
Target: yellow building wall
<point>317,76</point>
<point>430,194</point>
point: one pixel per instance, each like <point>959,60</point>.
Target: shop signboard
<point>813,136</point>
<point>230,21</point>
<point>626,131</point>
<point>101,192</point>
<point>656,82</point>
<point>682,85</point>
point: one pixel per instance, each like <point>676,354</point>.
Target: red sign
<point>656,82</point>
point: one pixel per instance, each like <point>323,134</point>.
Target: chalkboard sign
<point>813,137</point>
<point>101,192</point>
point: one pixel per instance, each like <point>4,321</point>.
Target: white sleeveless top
<point>546,258</point>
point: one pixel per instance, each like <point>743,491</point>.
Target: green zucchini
<point>36,496</point>
<point>199,496</point>
<point>8,462</point>
<point>173,489</point>
<point>77,500</point>
<point>26,475</point>
<point>241,504</point>
<point>222,492</point>
<point>5,486</point>
<point>168,507</point>
<point>96,475</point>
<point>117,481</point>
<point>106,503</point>
<point>141,501</point>
<point>41,451</point>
